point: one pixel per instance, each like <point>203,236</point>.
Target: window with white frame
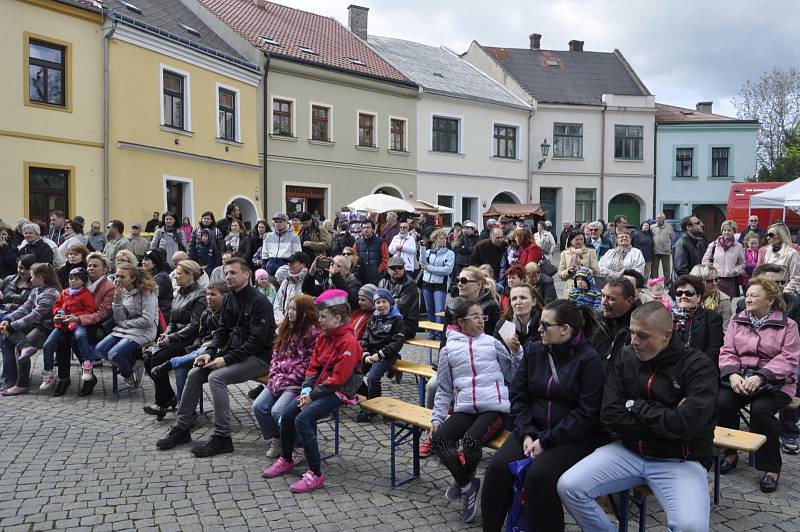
<point>282,117</point>
<point>568,140</point>
<point>175,98</point>
<point>629,142</point>
<point>585,204</point>
<point>445,134</point>
<point>446,201</point>
<point>719,162</point>
<point>228,126</point>
<point>505,141</point>
<point>683,162</point>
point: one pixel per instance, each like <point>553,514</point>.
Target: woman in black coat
<point>696,326</point>
<point>555,405</point>
<point>644,241</point>
<point>155,263</point>
<point>524,312</point>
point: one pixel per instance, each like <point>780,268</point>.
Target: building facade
<point>706,152</point>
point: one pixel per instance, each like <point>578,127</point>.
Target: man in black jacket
<point>337,275</point>
<point>462,246</point>
<point>405,293</point>
<point>240,350</point>
<point>689,250</point>
<point>659,402</point>
<point>490,251</point>
<point>617,301</point>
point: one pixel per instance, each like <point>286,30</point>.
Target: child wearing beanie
<point>265,286</point>
<point>360,317</point>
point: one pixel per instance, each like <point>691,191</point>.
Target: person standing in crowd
<point>596,240</point>
<point>490,251</point>
<point>208,222</point>
<point>207,253</point>
<point>620,225</point>
<point>404,246</point>
<point>153,223</point>
<point>694,325</point>
<point>35,245</point>
<point>490,224</point>
<point>645,244</point>
<point>240,350</point>
<point>751,258</point>
<point>337,275</point>
<point>663,235</point>
<point>426,227</point>
<point>257,235</point>
<point>238,240</point>
<point>689,249</point>
<point>544,239</point>
<point>168,237</point>
<point>373,254</point>
<point>574,257</point>
<point>73,234</point>
<point>115,242</point>
<point>279,245</point>
<point>139,244</point>
<point>780,251</point>
<point>56,230</point>
<point>664,422</point>
<point>232,212</point>
<point>291,286</point>
<point>405,294</point>
<point>314,239</point>
<point>727,256</point>
<point>624,256</point>
<point>342,239</point>
<point>186,227</point>
<point>462,246</point>
<point>96,240</point>
<point>437,265</point>
<point>752,228</point>
<point>566,229</point>
<point>391,228</point>
<point>529,251</point>
<point>8,253</point>
<point>617,302</point>
<point>294,223</point>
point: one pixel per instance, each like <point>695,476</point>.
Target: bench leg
<point>622,515</point>
<point>717,464</point>
<point>335,437</point>
<point>430,356</point>
<point>421,382</point>
<point>643,515</point>
<point>400,434</point>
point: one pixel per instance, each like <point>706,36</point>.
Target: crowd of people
<point>618,382</point>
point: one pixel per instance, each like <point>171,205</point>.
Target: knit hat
<point>331,298</point>
<point>80,273</point>
<point>382,293</point>
<point>367,290</point>
<point>261,273</point>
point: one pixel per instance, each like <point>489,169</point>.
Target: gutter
<point>529,176</point>
<point>106,133</point>
<point>655,167</point>
<point>603,162</point>
<point>266,108</point>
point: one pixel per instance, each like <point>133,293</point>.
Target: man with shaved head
<point>658,402</point>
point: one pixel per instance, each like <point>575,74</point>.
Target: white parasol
<point>378,203</point>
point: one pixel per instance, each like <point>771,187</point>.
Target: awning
<point>513,210</point>
<point>428,207</point>
<point>777,198</point>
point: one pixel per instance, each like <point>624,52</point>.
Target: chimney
<point>575,46</point>
<point>357,20</point>
<point>260,3</point>
<point>536,40</point>
<point>704,107</point>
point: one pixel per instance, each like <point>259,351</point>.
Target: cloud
<point>684,51</point>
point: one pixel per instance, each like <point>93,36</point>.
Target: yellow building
<point>51,112</point>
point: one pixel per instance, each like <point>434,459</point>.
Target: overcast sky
<point>684,51</point>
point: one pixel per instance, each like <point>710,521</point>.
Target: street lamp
<point>545,150</point>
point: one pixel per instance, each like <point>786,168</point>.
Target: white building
<point>597,121</point>
<point>472,133</point>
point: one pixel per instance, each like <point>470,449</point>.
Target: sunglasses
<point>544,325</point>
<point>464,280</point>
<point>686,293</point>
<point>712,281</point>
<point>754,220</point>
<point>770,235</point>
<point>396,267</point>
<point>346,253</point>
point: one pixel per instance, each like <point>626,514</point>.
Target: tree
<point>787,167</point>
<point>773,100</point>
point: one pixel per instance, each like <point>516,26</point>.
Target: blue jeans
<point>269,408</point>
<point>376,372</point>
<point>303,425</point>
<point>119,352</point>
<point>182,365</point>
<point>49,349</point>
<point>434,302</point>
<point>681,487</point>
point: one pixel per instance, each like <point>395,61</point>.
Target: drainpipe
<point>106,54</point>
<point>603,163</point>
<point>655,166</point>
<point>529,173</point>
<point>266,136</point>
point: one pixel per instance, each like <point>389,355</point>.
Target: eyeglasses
<point>715,280</point>
<point>346,253</point>
<point>477,317</point>
<point>464,280</point>
<point>544,325</point>
<point>754,219</point>
<point>686,293</point>
<point>396,267</point>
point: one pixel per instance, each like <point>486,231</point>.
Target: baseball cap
<point>470,223</point>
<point>136,225</point>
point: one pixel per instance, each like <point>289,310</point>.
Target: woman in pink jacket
<point>727,256</point>
<point>758,365</point>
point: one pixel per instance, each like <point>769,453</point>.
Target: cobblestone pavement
<point>91,463</point>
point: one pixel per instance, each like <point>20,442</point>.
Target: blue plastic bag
<point>518,519</point>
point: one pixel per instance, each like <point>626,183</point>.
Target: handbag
<point>547,268</point>
<point>518,519</point>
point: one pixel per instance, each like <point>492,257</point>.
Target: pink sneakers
<point>280,467</point>
<point>308,483</point>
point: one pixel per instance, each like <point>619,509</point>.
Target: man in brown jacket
<point>663,234</point>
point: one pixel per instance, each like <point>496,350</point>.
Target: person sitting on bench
<point>239,351</point>
<point>659,400</point>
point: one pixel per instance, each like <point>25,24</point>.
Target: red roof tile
<point>292,28</point>
<point>673,114</point>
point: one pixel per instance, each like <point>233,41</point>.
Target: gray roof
<point>440,71</point>
<point>169,15</point>
<point>576,77</point>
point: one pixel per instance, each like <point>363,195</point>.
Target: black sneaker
<point>160,371</point>
<point>790,445</point>
<point>255,392</point>
<point>216,445</point>
<point>87,387</point>
<point>471,500</point>
<point>61,387</point>
<point>175,437</point>
<point>364,416</point>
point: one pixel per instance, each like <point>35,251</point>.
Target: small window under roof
<point>190,29</point>
<point>438,75</point>
<point>552,62</point>
<point>306,49</point>
<point>687,112</point>
<point>131,7</point>
<point>356,61</point>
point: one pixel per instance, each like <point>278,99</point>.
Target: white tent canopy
<point>785,196</point>
<point>379,203</point>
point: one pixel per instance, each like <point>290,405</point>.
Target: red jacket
<point>78,304</point>
<point>103,296</point>
<point>532,253</point>
<point>335,364</point>
<point>358,320</point>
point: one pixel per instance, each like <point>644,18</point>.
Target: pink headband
<point>657,280</point>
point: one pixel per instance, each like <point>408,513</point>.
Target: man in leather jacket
<point>617,301</point>
<point>405,293</point>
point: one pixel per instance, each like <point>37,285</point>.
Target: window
<point>282,118</point>
<point>398,134</point>
<point>227,115</point>
<point>671,210</point>
<point>446,201</point>
<point>46,73</point>
<point>445,134</point>
<point>505,142</point>
<point>568,140</point>
<point>366,130</point>
<point>719,162</point>
<point>584,205</point>
<point>683,162</point>
<point>320,123</point>
<point>48,190</point>
<point>628,142</point>
<point>173,99</point>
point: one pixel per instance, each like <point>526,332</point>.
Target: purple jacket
<point>774,349</point>
<point>289,362</point>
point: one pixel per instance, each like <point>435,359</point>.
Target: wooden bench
<point>407,421</point>
<point>431,326</point>
<point>422,372</point>
<point>422,342</point>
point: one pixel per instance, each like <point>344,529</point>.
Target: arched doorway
<point>505,197</point>
<point>712,217</point>
<point>627,205</point>
<point>248,209</point>
<point>389,190</point>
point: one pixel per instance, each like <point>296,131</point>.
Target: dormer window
<point>131,7</point>
<point>190,29</point>
<point>270,41</point>
<point>306,50</point>
<point>358,62</point>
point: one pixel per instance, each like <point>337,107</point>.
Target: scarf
<point>758,323</point>
<point>711,302</point>
<point>618,261</point>
<point>725,243</point>
<point>74,291</point>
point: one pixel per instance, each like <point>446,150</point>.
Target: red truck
<point>739,206</point>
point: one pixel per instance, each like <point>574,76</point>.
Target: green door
<point>627,206</point>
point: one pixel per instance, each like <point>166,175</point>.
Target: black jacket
<point>341,240</point>
<point>38,249</point>
<point>63,272</point>
<point>8,260</point>
<point>687,254</point>
<point>314,285</point>
<point>384,335</point>
<point>187,308</point>
<point>463,249</point>
<point>552,413</point>
<point>209,322</point>
<point>246,327</point>
<point>613,334</point>
<point>674,398</point>
<point>165,293</point>
<point>525,337</point>
<point>485,252</point>
<point>12,295</point>
<point>406,297</point>
<point>546,288</point>
<point>644,241</point>
<point>704,333</point>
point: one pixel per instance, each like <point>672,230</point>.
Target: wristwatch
<point>629,404</point>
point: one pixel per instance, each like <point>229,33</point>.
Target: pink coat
<point>774,349</point>
<point>289,362</point>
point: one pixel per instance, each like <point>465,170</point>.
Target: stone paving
<point>91,463</point>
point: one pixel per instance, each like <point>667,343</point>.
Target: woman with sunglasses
<point>556,396</point>
<point>437,264</point>
<point>779,250</point>
<point>694,325</point>
<point>757,365</point>
<point>473,370</point>
<point>575,256</point>
<point>727,255</point>
<point>713,298</point>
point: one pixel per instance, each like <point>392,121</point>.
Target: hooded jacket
<point>279,245</point>
<point>674,397</point>
<point>488,304</point>
<point>589,296</point>
<point>214,239</point>
<point>335,364</point>
<point>246,327</point>
<point>36,311</point>
<point>290,360</point>
<point>564,412</point>
<point>406,297</point>
<point>103,296</point>
<point>584,257</point>
<point>135,316</point>
<point>472,375</point>
<point>290,287</point>
<point>170,241</point>
<point>384,335</point>
<point>76,304</point>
